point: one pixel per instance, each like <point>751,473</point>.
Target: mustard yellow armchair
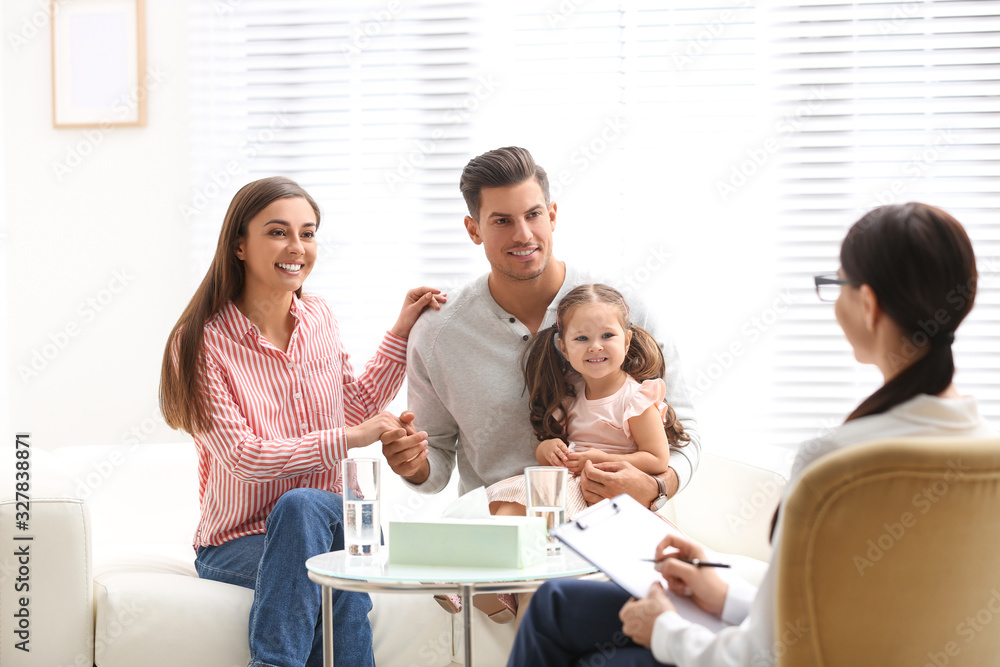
<point>890,555</point>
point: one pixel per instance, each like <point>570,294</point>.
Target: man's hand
<point>639,616</point>
<point>416,300</point>
<point>607,480</point>
<point>369,430</point>
<point>405,450</point>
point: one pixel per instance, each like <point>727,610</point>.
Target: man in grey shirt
<point>464,377</point>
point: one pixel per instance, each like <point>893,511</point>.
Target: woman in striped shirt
<point>255,371</point>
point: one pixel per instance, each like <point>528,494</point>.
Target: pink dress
<point>600,424</point>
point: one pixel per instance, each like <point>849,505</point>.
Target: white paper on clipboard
<point>615,535</point>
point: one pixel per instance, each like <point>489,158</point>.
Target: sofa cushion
<point>152,610</point>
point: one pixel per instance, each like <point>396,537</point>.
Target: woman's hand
<point>576,460</point>
<point>639,616</point>
<point>370,430</point>
<point>552,452</point>
<point>416,300</point>
<point>702,584</point>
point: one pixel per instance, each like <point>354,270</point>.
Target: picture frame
<point>98,63</point>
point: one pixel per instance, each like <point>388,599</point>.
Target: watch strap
<point>661,499</point>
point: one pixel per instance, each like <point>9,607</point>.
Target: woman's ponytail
<point>919,262</point>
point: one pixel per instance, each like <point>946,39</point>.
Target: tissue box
<point>497,542</point>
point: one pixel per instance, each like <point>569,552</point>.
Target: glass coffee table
<point>374,574</point>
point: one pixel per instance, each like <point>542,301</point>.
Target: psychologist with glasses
<point>907,279</point>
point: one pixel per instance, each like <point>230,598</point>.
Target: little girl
<point>595,393</point>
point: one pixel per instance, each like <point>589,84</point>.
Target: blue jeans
<point>285,629</point>
<point>571,622</point>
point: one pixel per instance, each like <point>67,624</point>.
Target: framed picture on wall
<point>98,63</point>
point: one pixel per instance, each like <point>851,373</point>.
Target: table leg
<point>466,590</point>
<point>327,626</point>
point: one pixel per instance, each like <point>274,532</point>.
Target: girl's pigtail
<point>644,361</point>
<point>545,380</point>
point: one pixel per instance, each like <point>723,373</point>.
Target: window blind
<point>909,110</point>
<point>710,156</point>
<point>365,104</point>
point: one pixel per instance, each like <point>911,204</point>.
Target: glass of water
<point>362,527</point>
<point>546,490</point>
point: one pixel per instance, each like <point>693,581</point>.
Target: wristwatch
<point>661,499</point>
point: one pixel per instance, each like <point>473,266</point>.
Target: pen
<point>691,561</point>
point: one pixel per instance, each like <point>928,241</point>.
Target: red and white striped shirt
<point>278,418</point>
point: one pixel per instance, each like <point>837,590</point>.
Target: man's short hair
<point>499,168</point>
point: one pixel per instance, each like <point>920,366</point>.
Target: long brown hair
<point>919,262</point>
<point>181,400</point>
<point>545,368</point>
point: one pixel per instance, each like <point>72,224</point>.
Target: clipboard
<point>615,535</point>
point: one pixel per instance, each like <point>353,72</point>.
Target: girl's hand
<point>552,452</point>
<point>576,460</point>
<point>639,616</point>
<point>702,584</point>
<point>416,300</point>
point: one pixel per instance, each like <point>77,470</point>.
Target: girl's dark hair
<point>919,262</point>
<point>181,400</point>
<point>545,368</point>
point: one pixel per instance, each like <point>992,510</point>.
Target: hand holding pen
<point>691,561</point>
<point>689,572</point>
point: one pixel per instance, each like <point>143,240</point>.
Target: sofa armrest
<point>46,594</point>
<point>728,506</point>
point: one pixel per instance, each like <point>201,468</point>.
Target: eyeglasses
<point>828,286</point>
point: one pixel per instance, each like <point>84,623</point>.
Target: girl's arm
<point>653,456</point>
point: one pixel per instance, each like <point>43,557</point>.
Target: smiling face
<point>594,342</point>
<point>279,247</point>
<point>515,227</point>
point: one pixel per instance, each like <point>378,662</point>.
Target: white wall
<point>96,270</point>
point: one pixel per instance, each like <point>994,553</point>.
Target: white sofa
<point>112,580</point>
